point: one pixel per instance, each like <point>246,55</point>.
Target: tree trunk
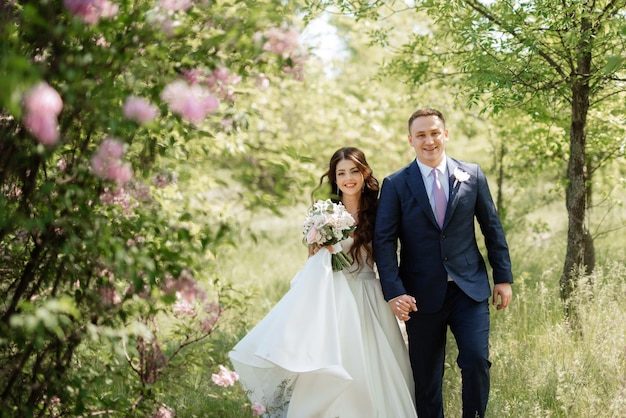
<point>575,201</point>
<point>590,251</point>
<point>575,197</point>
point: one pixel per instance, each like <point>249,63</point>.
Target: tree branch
<point>482,10</point>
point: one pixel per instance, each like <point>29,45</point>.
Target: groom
<point>440,279</point>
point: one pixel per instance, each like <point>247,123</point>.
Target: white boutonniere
<point>460,176</point>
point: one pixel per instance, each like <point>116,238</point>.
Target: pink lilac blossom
<point>140,191</point>
<point>183,307</point>
<point>195,75</point>
<point>222,75</point>
<point>42,105</point>
<point>213,308</point>
<point>228,124</point>
<point>136,240</point>
<point>41,56</point>
<point>107,274</point>
<point>262,82</point>
<point>55,402</point>
<point>164,411</point>
<point>186,286</point>
<point>42,98</point>
<point>11,190</point>
<point>281,42</point>
<point>164,179</point>
<point>91,11</point>
<point>225,377</point>
<point>176,5</point>
<point>111,148</point>
<point>214,311</point>
<point>257,409</point>
<point>168,26</point>
<point>107,163</point>
<point>101,41</point>
<point>118,196</point>
<point>139,110</point>
<point>161,21</point>
<point>228,94</point>
<point>287,45</point>
<point>296,69</point>
<point>107,292</point>
<point>191,102</point>
<point>219,81</point>
<point>43,127</point>
<point>109,296</point>
<point>206,326</point>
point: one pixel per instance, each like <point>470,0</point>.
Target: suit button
<point>445,259</point>
<point>443,236</point>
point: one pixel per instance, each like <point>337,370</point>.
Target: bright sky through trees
<point>326,44</point>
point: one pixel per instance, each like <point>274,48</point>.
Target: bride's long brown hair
<point>364,232</point>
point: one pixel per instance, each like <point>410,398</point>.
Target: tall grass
<point>266,264</point>
<point>546,366</point>
<point>543,366</point>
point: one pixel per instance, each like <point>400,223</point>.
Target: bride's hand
<point>313,249</point>
<point>402,305</point>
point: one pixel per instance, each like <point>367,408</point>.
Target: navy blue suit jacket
<point>428,253</point>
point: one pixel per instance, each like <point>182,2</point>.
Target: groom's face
<point>428,137</point>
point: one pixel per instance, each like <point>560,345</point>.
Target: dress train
<point>329,348</point>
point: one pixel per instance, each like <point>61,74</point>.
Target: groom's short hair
<point>427,111</point>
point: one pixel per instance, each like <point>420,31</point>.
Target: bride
<point>331,347</point>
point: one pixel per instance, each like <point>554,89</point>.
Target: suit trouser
<point>469,322</point>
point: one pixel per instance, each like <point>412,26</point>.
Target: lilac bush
<point>99,99</point>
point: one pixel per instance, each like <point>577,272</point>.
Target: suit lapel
<point>415,183</point>
<point>453,198</point>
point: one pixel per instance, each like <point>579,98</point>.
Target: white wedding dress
<point>331,347</point>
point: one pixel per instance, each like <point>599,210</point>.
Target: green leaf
<point>614,63</point>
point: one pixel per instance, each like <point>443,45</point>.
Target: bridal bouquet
<point>328,223</point>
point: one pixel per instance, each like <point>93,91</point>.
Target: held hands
<point>504,292</point>
<point>402,305</point>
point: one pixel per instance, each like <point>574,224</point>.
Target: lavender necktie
<point>439,198</point>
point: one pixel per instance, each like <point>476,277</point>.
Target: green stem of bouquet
<point>340,261</point>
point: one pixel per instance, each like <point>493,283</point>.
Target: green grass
<point>544,366</point>
<point>265,265</point>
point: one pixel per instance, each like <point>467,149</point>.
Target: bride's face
<point>349,178</point>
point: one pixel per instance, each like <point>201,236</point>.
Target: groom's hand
<point>402,305</point>
<point>503,292</point>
